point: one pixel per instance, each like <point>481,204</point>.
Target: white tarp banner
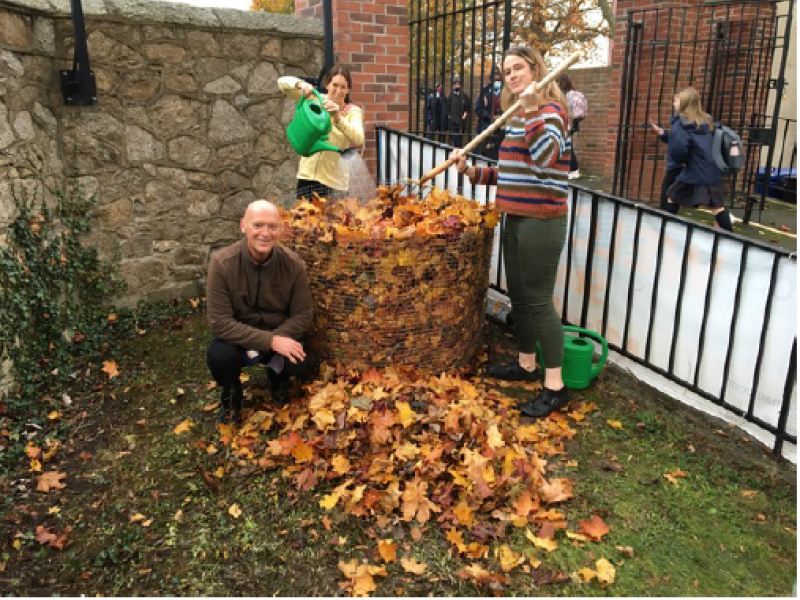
<point>669,302</point>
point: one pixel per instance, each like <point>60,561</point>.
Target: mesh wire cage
<point>397,279</point>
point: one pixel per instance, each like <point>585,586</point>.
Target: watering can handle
<point>303,98</point>
<point>596,366</point>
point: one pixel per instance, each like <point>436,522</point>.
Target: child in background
<point>689,144</point>
<point>673,170</point>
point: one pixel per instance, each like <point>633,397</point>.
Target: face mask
<point>498,85</point>
<point>456,89</point>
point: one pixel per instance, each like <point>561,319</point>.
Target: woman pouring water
<point>322,172</point>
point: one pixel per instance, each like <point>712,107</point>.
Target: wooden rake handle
<point>571,60</point>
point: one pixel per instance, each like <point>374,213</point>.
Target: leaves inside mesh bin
<point>401,280</point>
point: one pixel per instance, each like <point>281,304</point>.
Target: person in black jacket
<point>673,169</point>
<point>458,105</point>
<point>700,180</point>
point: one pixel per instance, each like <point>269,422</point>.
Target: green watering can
<point>578,368</point>
<point>308,131</point>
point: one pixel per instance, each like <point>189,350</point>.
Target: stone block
<point>114,214</point>
<point>105,50</point>
<point>23,125</point>
<point>263,179</point>
<point>140,90</point>
<point>141,146</point>
<point>210,69</point>
<point>6,134</point>
<point>179,82</point>
<point>272,147</point>
<point>188,152</point>
<point>44,35</point>
<point>165,53</point>
<point>186,255</point>
<point>240,45</point>
<point>161,199</point>
<point>138,246</point>
<point>264,79</point>
<point>172,115</point>
<point>144,274</point>
<point>296,50</point>
<point>203,204</point>
<point>233,206</point>
<point>235,155</point>
<point>224,85</point>
<point>201,43</point>
<point>271,48</point>
<point>16,31</point>
<point>228,125</point>
<point>44,117</point>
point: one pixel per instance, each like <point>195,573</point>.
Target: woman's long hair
<point>344,72</point>
<point>534,58</point>
<point>690,110</point>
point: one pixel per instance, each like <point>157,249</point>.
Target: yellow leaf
<point>219,473</point>
<point>543,543</point>
<point>137,517</point>
<point>410,565</point>
<point>508,558</point>
<point>17,544</point>
<point>577,536</point>
<point>183,426</point>
<point>407,414</point>
<point>494,437</point>
<point>614,424</point>
<point>329,501</point>
<point>535,562</point>
<point>587,574</point>
<point>147,523</point>
<point>749,493</point>
<point>455,537</point>
<point>53,510</point>
<point>235,511</point>
<point>363,585</point>
<point>387,550</point>
<point>244,377</point>
<point>36,466</point>
<point>56,414</point>
<point>340,464</point>
<point>605,572</point>
<point>324,419</point>
<point>112,318</point>
<point>212,449</point>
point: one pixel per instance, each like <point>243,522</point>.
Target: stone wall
<point>188,129</point>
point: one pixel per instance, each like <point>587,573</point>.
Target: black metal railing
<point>712,311</point>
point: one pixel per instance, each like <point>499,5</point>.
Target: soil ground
<point>144,521</point>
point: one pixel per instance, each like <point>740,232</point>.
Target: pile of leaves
<point>399,281</point>
<point>393,448</point>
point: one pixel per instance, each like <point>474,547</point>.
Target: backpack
<point>577,105</point>
<point>726,148</point>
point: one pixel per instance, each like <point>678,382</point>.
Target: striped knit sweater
<point>532,166</point>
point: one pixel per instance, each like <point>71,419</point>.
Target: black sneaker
<point>513,372</point>
<point>546,402</point>
<point>224,406</point>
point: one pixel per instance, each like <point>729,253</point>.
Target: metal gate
<point>450,39</point>
<point>734,54</point>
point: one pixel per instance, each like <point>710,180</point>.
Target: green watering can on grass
<point>308,131</point>
<point>579,368</point>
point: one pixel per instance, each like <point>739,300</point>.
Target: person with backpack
<point>673,169</point>
<point>690,143</point>
<point>578,107</point>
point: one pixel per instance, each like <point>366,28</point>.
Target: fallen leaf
<point>110,367</point>
<point>137,517</point>
<point>387,550</point>
<point>614,424</point>
<point>509,559</point>
<point>235,511</point>
<point>545,544</point>
<point>587,574</point>
<point>410,565</point>
<point>51,480</point>
<point>183,426</point>
<point>749,493</point>
<point>595,528</point>
<point>605,572</point>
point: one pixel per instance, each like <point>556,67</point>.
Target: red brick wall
<point>371,39</point>
<point>591,143</point>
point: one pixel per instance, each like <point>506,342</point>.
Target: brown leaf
<point>410,565</point>
<point>110,367</point>
<point>51,480</point>
<point>387,550</point>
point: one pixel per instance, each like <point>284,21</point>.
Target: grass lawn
<point>145,521</point>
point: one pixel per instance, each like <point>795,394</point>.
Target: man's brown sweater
<point>248,303</point>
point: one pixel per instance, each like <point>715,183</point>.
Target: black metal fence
<point>711,311</point>
<point>455,39</point>
<point>735,55</point>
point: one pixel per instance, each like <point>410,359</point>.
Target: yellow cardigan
<point>347,133</point>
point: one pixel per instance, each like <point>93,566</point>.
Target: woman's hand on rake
<point>530,99</point>
<point>460,161</point>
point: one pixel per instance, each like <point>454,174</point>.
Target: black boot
<point>224,406</point>
<point>281,388</point>
<point>236,401</point>
<point>546,402</point>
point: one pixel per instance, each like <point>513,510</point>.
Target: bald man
<point>259,307</point>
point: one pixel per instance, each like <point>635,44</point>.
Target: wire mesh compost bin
<point>399,280</point>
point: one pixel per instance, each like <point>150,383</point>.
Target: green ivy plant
<point>54,294</point>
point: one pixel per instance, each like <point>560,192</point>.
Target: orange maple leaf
<point>595,528</point>
<point>387,550</point>
<point>410,565</point>
<point>110,367</point>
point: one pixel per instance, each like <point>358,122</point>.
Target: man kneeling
<point>259,307</point>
